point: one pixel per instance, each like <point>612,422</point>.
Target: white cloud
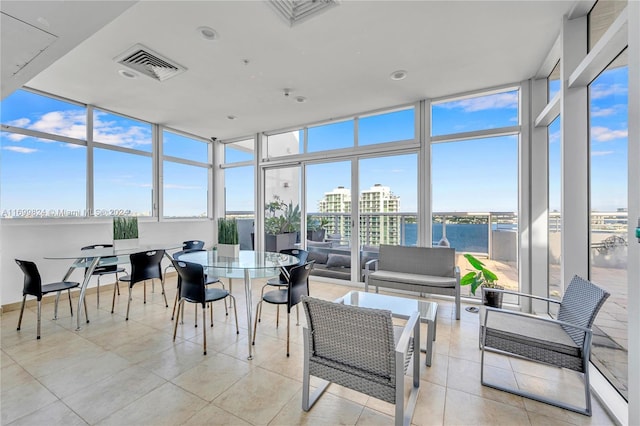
<point>20,122</point>
<point>602,90</point>
<point>20,149</point>
<point>554,137</point>
<point>602,112</point>
<point>16,137</point>
<point>499,100</point>
<point>601,153</point>
<point>65,123</point>
<point>604,134</point>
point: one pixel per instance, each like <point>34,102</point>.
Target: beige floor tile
<point>102,399</point>
<point>373,417</point>
<point>146,345</point>
<point>463,408</point>
<point>13,375</point>
<point>166,405</point>
<point>177,359</point>
<point>213,376</point>
<point>55,414</point>
<point>213,415</point>
<point>430,405</point>
<point>328,410</point>
<point>437,373</point>
<point>259,396</point>
<point>67,381</point>
<point>464,376</point>
<point>24,399</point>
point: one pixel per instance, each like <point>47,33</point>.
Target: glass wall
<point>282,208</point>
<point>554,209</point>
<point>474,182</point>
<point>239,188</point>
<point>608,115</point>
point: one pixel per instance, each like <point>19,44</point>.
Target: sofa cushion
<point>318,257</point>
<point>417,279</point>
<point>338,261</point>
<point>318,243</point>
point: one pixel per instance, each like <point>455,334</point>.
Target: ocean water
<point>463,237</point>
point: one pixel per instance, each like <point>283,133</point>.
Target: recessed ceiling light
<point>127,74</point>
<point>301,99</point>
<point>398,75</point>
<point>231,117</point>
<point>208,33</point>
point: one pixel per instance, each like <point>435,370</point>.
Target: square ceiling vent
<point>147,62</point>
<point>296,11</point>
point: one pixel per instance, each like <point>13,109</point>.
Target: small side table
<point>400,307</point>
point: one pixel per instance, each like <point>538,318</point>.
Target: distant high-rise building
<point>374,228</point>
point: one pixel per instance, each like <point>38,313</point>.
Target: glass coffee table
<point>400,307</point>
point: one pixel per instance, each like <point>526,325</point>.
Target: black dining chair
<point>209,280</point>
<point>33,286</point>
<point>103,270</point>
<point>282,280</point>
<point>186,245</point>
<point>145,265</point>
<point>290,295</point>
<point>194,290</point>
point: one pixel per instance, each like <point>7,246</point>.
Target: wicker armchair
<point>358,348</point>
<point>563,342</point>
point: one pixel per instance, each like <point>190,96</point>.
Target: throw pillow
<point>338,261</point>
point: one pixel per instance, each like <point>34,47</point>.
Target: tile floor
<point>113,372</point>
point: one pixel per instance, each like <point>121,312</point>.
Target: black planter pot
<point>492,298</point>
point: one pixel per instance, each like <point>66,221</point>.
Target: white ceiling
<point>339,60</point>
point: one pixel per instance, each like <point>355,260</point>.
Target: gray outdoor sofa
<point>420,269</point>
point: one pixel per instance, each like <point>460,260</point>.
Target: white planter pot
<point>229,250</point>
<point>127,244</point>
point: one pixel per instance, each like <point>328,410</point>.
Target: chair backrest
<point>105,268</point>
<point>351,336</point>
<point>302,256</point>
<point>437,261</point>
<point>32,279</point>
<point>177,254</point>
<point>192,244</point>
<point>192,281</point>
<point>146,265</point>
<point>299,283</point>
<point>579,306</point>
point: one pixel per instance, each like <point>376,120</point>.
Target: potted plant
<point>483,277</point>
<point>125,232</point>
<point>228,245</point>
<point>316,228</point>
<point>281,224</point>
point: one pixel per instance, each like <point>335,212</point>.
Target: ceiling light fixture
<point>208,33</point>
<point>398,75</point>
<point>301,99</point>
<point>127,74</point>
<point>231,117</point>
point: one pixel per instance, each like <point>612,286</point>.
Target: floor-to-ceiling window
<point>239,188</point>
<point>554,209</point>
<point>474,180</point>
<point>608,100</point>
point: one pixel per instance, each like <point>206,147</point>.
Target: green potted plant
<point>482,277</point>
<point>228,245</point>
<point>281,224</point>
<point>125,232</point>
<point>316,228</point>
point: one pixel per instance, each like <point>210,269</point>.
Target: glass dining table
<point>249,264</point>
<point>92,258</point>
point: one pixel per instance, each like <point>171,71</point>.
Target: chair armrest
<point>456,272</point>
<point>369,264</point>
<point>403,342</point>
<point>535,318</point>
<point>517,293</point>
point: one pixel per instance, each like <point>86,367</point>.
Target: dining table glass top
<point>260,264</point>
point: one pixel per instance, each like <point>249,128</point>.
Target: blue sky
<point>478,175</point>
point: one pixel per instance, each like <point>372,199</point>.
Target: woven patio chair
<point>564,342</point>
<point>360,349</point>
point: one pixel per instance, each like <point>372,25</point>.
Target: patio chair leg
<point>98,293</point>
<point>175,303</point>
<point>288,325</point>
<point>255,323</point>
<point>175,326</point>
<point>211,310</point>
<point>39,313</point>
<point>113,301</point>
<point>86,314</point>
<point>196,316</point>
<point>144,288</point>
<point>128,304</point>
<point>204,328</point>
<point>166,304</point>
<point>70,304</point>
<point>24,300</point>
<point>235,314</point>
<point>55,309</point>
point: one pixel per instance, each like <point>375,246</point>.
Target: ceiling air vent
<point>296,11</point>
<point>147,62</point>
